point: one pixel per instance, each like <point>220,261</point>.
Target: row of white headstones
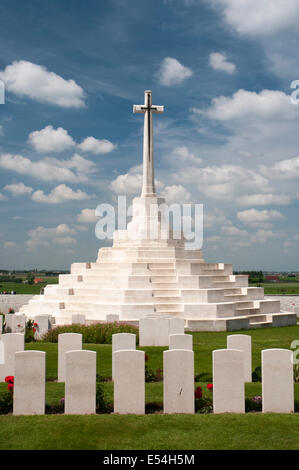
<point>153,330</point>
<point>77,368</point>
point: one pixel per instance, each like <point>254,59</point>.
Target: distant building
<point>272,278</point>
<point>38,280</point>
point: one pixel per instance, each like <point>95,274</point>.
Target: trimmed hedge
<point>98,333</point>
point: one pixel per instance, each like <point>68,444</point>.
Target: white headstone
<point>176,326</point>
<point>80,382</point>
<point>129,382</point>
<point>147,331</point>
<point>122,341</point>
<point>277,381</point>
<point>154,331</point>
<point>162,331</point>
<point>181,341</point>
<point>15,323</point>
<point>178,381</point>
<point>78,318</point>
<point>12,343</point>
<point>228,381</point>
<point>1,324</point>
<point>67,342</point>
<point>29,383</point>
<point>43,325</point>
<point>110,318</point>
<point>242,343</point>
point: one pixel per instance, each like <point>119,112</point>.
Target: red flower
<point>146,357</point>
<point>34,330</point>
<point>9,379</point>
<point>198,392</point>
<point>10,387</point>
<point>210,386</point>
<point>34,324</point>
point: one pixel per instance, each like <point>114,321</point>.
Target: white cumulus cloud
<point>61,193</point>
<point>253,216</point>
<point>225,182</point>
<point>243,104</point>
<point>264,199</point>
<point>51,140</point>
<point>18,189</point>
<point>284,169</point>
<point>131,182</point>
<point>218,61</point>
<point>183,154</point>
<point>27,79</point>
<point>65,241</point>
<point>75,169</point>
<point>42,236</point>
<point>260,17</point>
<point>87,216</point>
<point>96,146</point>
<point>176,194</point>
<point>172,72</point>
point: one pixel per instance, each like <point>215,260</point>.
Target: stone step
<point>161,265</point>
<point>166,300</point>
<point>166,292</point>
<point>258,319</point>
<point>231,290</point>
<point>264,324</point>
<point>79,306</point>
<point>172,313</point>
<point>219,278</point>
<point>162,272</point>
<point>235,297</point>
<point>157,279</point>
<point>169,307</point>
<point>212,272</point>
<point>68,312</point>
<point>247,311</point>
<point>245,304</point>
<point>165,285</point>
<point>44,302</point>
<point>224,284</point>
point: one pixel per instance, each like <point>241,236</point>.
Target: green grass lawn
<point>281,288</point>
<point>182,432</point>
<point>26,288</point>
<point>157,431</point>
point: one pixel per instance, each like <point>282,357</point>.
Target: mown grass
<point>21,288</point>
<point>151,432</point>
<point>279,288</point>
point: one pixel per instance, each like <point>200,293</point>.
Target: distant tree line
<point>253,276</point>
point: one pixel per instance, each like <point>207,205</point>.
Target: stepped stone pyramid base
<point>134,282</point>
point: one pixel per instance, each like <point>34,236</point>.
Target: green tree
<point>30,278</point>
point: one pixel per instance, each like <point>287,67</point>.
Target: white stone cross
<point>148,185</point>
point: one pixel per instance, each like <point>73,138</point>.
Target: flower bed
<point>98,333</point>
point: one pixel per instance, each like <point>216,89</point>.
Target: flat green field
<point>158,431</point>
<point>26,288</point>
<point>281,288</point>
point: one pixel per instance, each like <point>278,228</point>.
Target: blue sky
<point>228,138</point>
